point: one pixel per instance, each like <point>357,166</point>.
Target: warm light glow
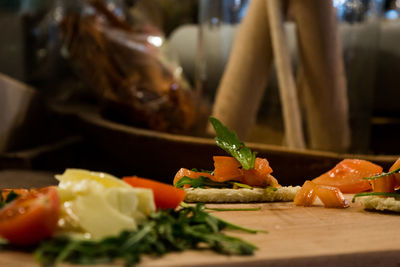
<point>155,40</point>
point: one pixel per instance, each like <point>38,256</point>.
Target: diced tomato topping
<point>396,176</point>
<point>226,168</point>
<point>229,169</point>
<point>384,184</point>
<point>192,174</point>
<point>260,175</point>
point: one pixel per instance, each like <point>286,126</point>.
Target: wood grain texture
<point>298,236</point>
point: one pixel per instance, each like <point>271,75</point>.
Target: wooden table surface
<point>298,236</point>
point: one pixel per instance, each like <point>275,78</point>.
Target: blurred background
<point>78,78</point>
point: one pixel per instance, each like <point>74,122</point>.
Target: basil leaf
<point>228,141</point>
<point>202,170</point>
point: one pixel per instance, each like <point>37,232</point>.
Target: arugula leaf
<point>228,141</point>
<point>166,230</point>
<point>203,182</point>
<point>382,175</point>
<point>202,170</point>
<point>241,185</point>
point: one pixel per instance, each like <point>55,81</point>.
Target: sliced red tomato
<point>32,217</point>
<point>348,175</point>
<point>165,196</point>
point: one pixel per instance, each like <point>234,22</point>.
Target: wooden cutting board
<point>298,236</point>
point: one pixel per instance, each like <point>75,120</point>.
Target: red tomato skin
<point>165,196</point>
<point>37,223</point>
<point>347,175</point>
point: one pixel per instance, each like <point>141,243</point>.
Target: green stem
<point>233,209</point>
<point>237,227</point>
<point>382,174</point>
<point>386,194</point>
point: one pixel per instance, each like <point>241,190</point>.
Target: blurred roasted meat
<point>129,74</point>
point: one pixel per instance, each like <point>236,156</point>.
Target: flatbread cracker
<point>241,195</point>
<point>380,203</point>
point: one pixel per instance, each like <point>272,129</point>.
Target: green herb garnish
<point>10,197</point>
<point>203,182</point>
<point>185,205</point>
<point>228,141</point>
<point>201,170</point>
<point>387,194</point>
<point>233,209</point>
<point>382,174</point>
<point>165,231</point>
<point>270,188</point>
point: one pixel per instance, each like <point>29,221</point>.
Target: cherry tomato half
<point>30,218</point>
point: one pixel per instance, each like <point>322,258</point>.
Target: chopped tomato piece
<point>32,217</point>
<point>331,196</point>
<point>229,169</point>
<point>348,175</point>
<point>306,196</point>
<point>387,183</point>
<point>226,168</point>
<point>260,175</point>
<point>396,176</point>
<point>165,196</point>
<point>192,174</point>
<point>384,184</point>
